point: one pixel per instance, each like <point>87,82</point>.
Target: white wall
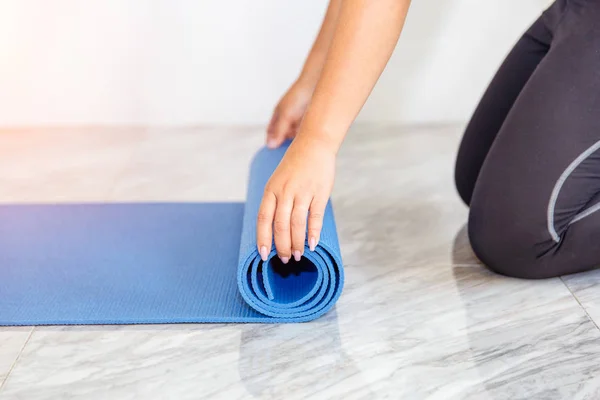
<point>72,62</point>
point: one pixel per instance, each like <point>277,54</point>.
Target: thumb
<point>278,130</point>
<point>272,122</point>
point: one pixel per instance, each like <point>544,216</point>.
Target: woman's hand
<point>296,194</point>
<point>344,66</point>
<point>288,114</point>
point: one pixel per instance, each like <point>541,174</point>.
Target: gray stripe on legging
<point>585,213</point>
<point>558,186</point>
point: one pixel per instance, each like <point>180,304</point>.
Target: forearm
<point>365,36</point>
<point>316,59</point>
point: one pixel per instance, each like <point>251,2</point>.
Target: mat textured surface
<point>130,263</point>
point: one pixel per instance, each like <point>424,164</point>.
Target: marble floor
<point>419,318</point>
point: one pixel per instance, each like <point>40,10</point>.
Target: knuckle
<point>263,217</point>
<point>280,227</point>
<point>287,190</point>
<point>315,216</point>
<point>302,204</point>
<point>298,222</point>
<point>291,188</point>
<point>269,188</point>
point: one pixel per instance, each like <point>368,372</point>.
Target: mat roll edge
<point>253,275</point>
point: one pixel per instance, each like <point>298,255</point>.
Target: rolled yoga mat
<point>159,263</point>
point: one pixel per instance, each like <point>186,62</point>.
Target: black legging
<point>529,162</point>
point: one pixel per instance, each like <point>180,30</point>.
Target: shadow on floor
<point>293,360</point>
<point>470,277</point>
<point>522,340</point>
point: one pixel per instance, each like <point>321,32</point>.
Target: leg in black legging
<point>534,206</point>
<point>499,98</point>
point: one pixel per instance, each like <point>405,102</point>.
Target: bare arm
<point>289,111</point>
<point>363,41</point>
<point>318,53</point>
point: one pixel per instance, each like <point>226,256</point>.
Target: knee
<point>511,249</point>
<point>464,181</point>
<point>462,188</point>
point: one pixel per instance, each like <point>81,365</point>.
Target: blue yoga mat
<point>63,264</point>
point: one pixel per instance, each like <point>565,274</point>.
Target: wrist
<point>318,138</point>
<point>308,80</point>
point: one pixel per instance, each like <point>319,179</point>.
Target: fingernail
<point>263,253</point>
<point>312,244</point>
<point>297,255</point>
<point>271,144</point>
<point>285,260</point>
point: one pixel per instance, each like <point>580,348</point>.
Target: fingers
<point>286,220</point>
<point>281,227</point>
<point>285,217</point>
<point>298,227</point>
<point>315,221</point>
<point>279,129</point>
<point>290,226</point>
<point>264,224</point>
